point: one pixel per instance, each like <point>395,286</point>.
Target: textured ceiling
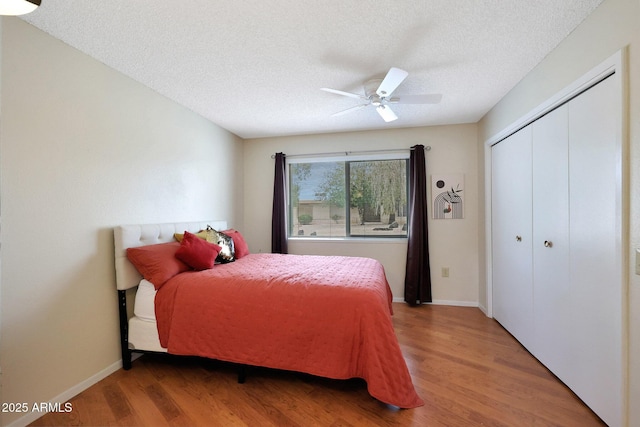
<point>255,67</point>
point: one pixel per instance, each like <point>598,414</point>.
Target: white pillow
<point>144,306</point>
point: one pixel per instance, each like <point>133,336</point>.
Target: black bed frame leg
<point>242,374</point>
<point>124,330</point>
<point>126,360</point>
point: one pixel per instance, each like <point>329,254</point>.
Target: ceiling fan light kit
<point>377,92</point>
<point>18,7</point>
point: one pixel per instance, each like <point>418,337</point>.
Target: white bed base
<point>139,335</point>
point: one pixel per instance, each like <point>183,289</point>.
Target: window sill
<point>341,240</point>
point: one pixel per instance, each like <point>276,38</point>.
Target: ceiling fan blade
<point>417,99</point>
<point>391,81</point>
<point>386,113</point>
<point>349,110</point>
<point>339,92</point>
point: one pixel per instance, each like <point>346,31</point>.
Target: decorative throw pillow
<point>157,263</point>
<point>227,253</point>
<point>201,234</point>
<point>240,245</point>
<point>196,252</point>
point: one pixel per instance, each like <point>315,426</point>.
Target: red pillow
<point>196,252</point>
<point>239,243</point>
<point>157,263</point>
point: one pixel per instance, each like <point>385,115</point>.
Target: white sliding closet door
<point>511,235</point>
<point>553,293</point>
<point>557,241</point>
<point>596,250</point>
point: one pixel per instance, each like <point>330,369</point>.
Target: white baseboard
<point>69,394</point>
<point>446,302</point>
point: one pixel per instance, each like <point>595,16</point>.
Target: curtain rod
<point>350,153</point>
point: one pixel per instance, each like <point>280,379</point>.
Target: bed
<point>328,316</point>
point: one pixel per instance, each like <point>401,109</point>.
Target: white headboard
<point>130,236</point>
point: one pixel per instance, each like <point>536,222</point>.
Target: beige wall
<point>453,243</point>
<point>84,148</point>
<point>614,25</point>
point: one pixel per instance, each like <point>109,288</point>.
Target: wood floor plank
<point>206,395</point>
<point>465,366</point>
<point>117,401</point>
<point>145,408</point>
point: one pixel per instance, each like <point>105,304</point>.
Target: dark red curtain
<point>417,282</point>
<point>279,218</point>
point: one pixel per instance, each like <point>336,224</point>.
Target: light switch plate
<point>638,261</point>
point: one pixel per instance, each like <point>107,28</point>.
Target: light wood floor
<point>466,367</point>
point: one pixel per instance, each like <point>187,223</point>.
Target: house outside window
<point>350,197</point>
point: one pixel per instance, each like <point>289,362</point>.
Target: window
<point>359,197</point>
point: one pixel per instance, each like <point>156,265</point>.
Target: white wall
<point>84,148</point>
<point>613,26</point>
<point>453,243</point>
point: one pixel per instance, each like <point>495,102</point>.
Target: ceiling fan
<point>377,92</point>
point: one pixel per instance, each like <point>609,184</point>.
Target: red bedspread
<point>326,316</point>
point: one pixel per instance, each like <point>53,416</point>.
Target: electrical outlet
<point>445,271</point>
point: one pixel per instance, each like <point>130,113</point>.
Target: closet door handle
<point>548,244</point>
<point>518,238</point>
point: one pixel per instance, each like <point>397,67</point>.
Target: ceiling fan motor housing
<point>370,88</point>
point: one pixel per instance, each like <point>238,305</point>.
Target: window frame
<point>347,158</point>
